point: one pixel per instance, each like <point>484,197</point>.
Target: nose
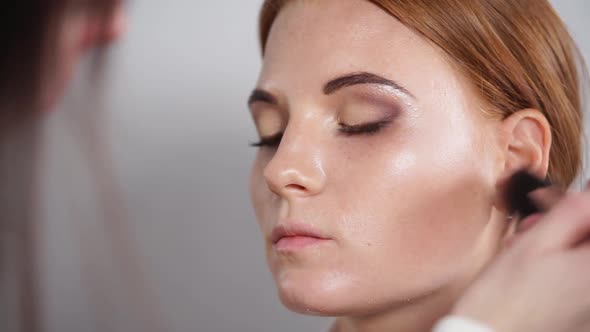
<point>296,169</point>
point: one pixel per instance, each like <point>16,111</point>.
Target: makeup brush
<point>520,185</point>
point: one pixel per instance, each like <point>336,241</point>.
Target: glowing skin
<point>408,210</point>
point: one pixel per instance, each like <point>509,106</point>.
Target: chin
<point>318,294</point>
<point>333,293</point>
<point>309,302</point>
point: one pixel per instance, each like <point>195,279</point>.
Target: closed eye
<point>365,128</point>
<point>270,141</point>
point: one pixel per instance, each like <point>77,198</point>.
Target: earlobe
<point>526,137</point>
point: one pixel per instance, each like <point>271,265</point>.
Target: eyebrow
<point>362,78</point>
<point>334,85</point>
<point>262,96</point>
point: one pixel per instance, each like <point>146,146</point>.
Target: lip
<point>293,235</point>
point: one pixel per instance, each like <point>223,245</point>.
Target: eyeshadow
<point>268,123</point>
<point>365,110</point>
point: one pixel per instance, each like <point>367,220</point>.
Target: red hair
<point>518,53</point>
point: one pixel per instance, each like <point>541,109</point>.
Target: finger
<point>547,197</point>
<point>523,226</point>
<point>528,222</point>
<point>564,226</point>
<point>580,257</point>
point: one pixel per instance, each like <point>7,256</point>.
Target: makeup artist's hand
<point>541,282</point>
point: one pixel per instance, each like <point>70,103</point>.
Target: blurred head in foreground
<point>42,42</point>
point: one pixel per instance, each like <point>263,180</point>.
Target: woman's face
<point>376,179</point>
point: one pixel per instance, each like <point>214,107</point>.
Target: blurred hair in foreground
<point>38,59</point>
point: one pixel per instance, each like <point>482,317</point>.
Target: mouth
<point>292,236</point>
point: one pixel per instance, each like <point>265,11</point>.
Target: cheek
<point>417,202</point>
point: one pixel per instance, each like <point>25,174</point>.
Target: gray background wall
<point>176,121</point>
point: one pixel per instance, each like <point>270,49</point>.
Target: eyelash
<point>271,141</point>
<point>361,129</point>
<point>365,128</point>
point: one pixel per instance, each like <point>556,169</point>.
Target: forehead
<point>312,39</point>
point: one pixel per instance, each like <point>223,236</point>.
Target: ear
<point>524,141</point>
<point>525,137</point>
